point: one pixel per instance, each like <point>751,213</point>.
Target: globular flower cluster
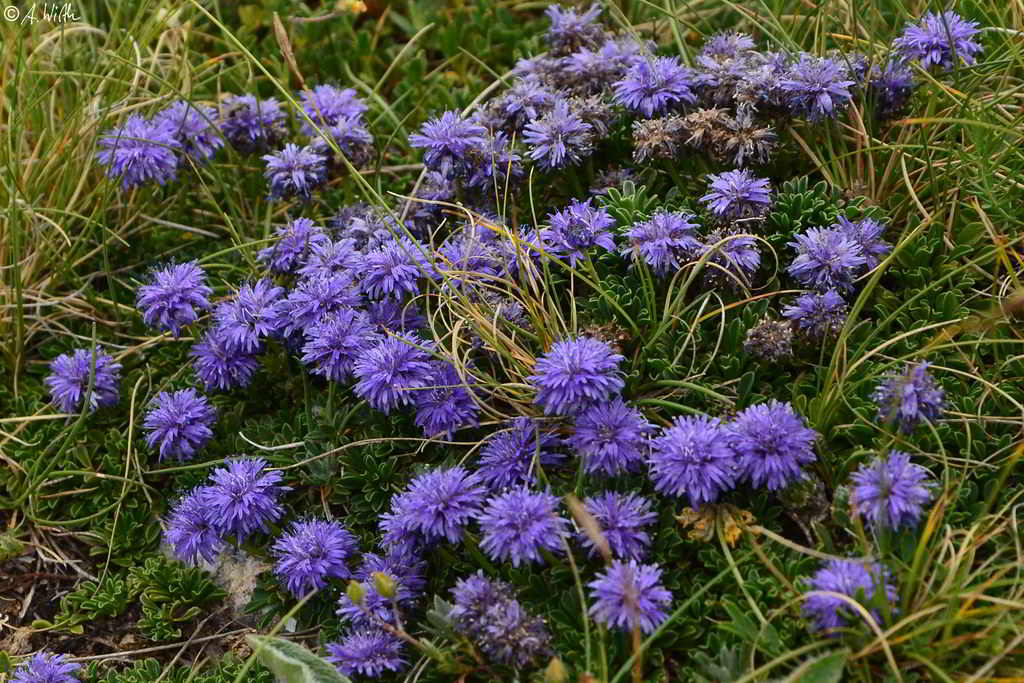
<point>576,373</point>
<point>693,457</point>
<point>46,667</point>
<point>621,519</point>
<point>940,40</point>
<point>891,492</point>
<point>908,399</point>
<point>520,524</point>
<point>170,300</point>
<point>854,580</point>
<point>81,373</point>
<point>629,595</point>
<point>772,443</point>
<point>664,242</point>
<point>612,438</point>
<point>140,151</point>
<point>737,194</point>
<point>511,456</point>
<point>368,652</point>
<point>310,552</point>
<point>179,423</point>
<point>579,228</point>
<point>437,505</point>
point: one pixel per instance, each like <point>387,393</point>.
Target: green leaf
<point>824,669</point>
<point>292,663</point>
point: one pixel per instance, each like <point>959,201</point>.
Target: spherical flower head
<point>310,552</point>
<point>527,100</point>
<point>578,228</point>
<point>390,370</point>
<point>737,194</point>
<point>315,298</point>
<point>441,502</point>
<point>447,405</point>
<point>772,443</point>
<point>295,171</point>
<point>328,256</point>
<point>664,242</point>
<point>352,138</point>
<point>465,259</point>
<point>622,518</point>
<point>558,138</point>
<point>612,438</point>
<point>179,423</point>
<point>244,497</point>
<point>628,595</point>
<point>139,151</point>
<point>327,106</point>
<point>393,315</point>
<point>891,491</point>
<point>733,260</point>
<point>335,342</point>
<point>507,457</point>
<point>727,45</point>
<point>654,86</point>
<point>394,269</point>
<point>293,242</point>
<point>69,376</point>
<point>253,315</point>
<point>252,124</point>
<point>45,667</point>
<point>487,612</point>
<point>220,365</point>
<point>571,30</point>
<point>447,139</point>
<point>867,234</point>
<point>693,457</point>
<point>574,374</point>
<point>826,259</point>
<point>519,524</point>
<point>890,88</point>
<point>369,652</point>
<point>862,583</point>
<point>170,300</point>
<point>194,129</point>
<point>940,40</point>
<point>817,87</point>
<point>908,399</point>
<point>191,531</point>
<point>818,315</point>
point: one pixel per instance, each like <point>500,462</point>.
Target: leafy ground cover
<point>490,341</point>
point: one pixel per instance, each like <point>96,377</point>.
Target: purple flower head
<point>654,86</point>
<point>578,228</point>
<point>826,259</point>
<point>405,572</point>
<point>909,398</point>
<point>394,269</point>
<point>727,45</point>
<point>528,99</point>
<point>220,365</point>
<point>693,457</point>
<point>352,138</point>
<point>45,667</point>
<point>327,106</point>
<point>518,524</point>
<point>939,40</point>
<point>493,165</point>
<point>571,30</point>
<point>328,256</point>
<point>487,612</point>
<point>369,652</point>
<point>629,595</point>
<point>310,552</point>
<point>818,315</point>
<point>464,259</point>
<point>316,297</point>
<point>817,87</point>
<point>737,194</point>
<point>866,234</point>
<point>175,291</point>
<point>558,138</point>
<point>772,443</point>
<point>507,456</point>
<point>891,492</point>
<point>862,583</point>
<point>139,151</point>
<point>68,380</point>
<point>447,139</point>
<point>664,242</point>
<point>295,171</point>
<point>252,124</point>
<point>191,531</point>
<point>251,316</point>
<point>440,503</point>
<point>574,374</point>
<point>622,518</point>
<point>336,341</point>
<point>244,497</point>
<point>891,88</point>
<point>448,404</point>
<point>293,243</point>
<point>389,371</point>
<point>391,314</point>
<point>735,257</point>
<point>193,127</point>
<point>612,438</point>
<point>179,423</point>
